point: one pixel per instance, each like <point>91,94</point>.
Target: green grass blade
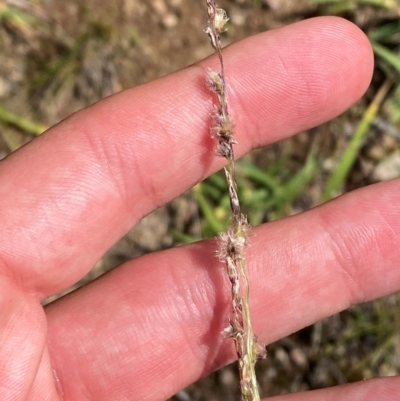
<point>259,176</point>
<point>182,237</point>
<point>340,174</point>
<point>386,32</point>
<point>293,188</point>
<point>387,55</point>
<point>24,124</point>
<point>207,210</point>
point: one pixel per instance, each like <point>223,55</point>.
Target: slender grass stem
<point>234,240</point>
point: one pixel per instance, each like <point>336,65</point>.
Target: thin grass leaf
<point>182,237</point>
<point>218,181</point>
<point>259,176</point>
<point>23,124</point>
<point>12,139</point>
<point>387,55</point>
<point>339,176</point>
<point>207,209</point>
<point>14,15</point>
<point>292,189</point>
<point>211,191</point>
<point>348,4</point>
<point>385,33</point>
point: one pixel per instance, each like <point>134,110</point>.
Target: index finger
<point>69,195</point>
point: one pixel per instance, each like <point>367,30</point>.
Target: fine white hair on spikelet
<point>231,244</point>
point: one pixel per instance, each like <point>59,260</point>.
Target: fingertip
<point>355,50</point>
<point>299,76</point>
<point>344,66</point>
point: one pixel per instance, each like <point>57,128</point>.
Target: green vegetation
<point>23,124</point>
<point>341,6</point>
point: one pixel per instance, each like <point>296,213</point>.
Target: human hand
<point>152,326</point>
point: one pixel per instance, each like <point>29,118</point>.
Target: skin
<point>152,326</point>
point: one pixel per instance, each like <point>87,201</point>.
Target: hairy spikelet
<point>232,243</point>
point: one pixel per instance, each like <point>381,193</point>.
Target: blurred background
<point>59,56</point>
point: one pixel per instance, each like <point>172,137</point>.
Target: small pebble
<point>159,6</point>
<point>238,18</point>
<point>170,20</point>
<point>282,356</point>
<point>227,377</point>
<point>388,168</point>
<point>175,3</point>
<point>299,357</point>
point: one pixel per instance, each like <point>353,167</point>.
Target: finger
<point>386,389</point>
<point>22,340</point>
<point>75,191</point>
<point>44,387</point>
<point>152,326</point>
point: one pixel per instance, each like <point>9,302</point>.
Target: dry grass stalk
<point>232,242</point>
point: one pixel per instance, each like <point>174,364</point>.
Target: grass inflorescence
<point>232,242</point>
